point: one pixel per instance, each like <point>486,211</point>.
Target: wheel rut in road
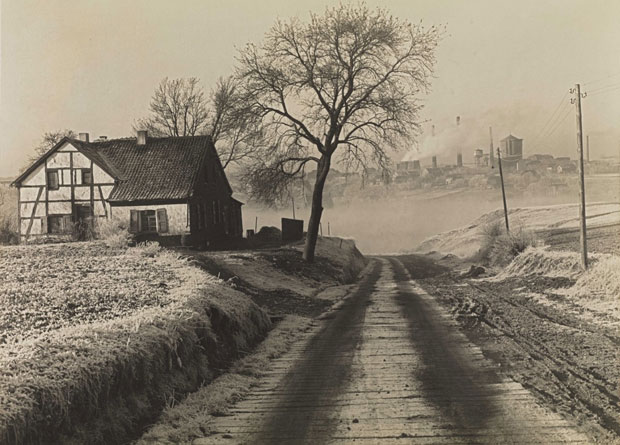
<point>389,366</point>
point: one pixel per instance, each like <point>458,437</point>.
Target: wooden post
<point>328,230</point>
<point>321,229</point>
<point>293,199</point>
<point>501,177</point>
<point>582,190</point>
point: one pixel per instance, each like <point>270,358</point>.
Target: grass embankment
<point>182,423</point>
<point>97,341</point>
<point>280,281</point>
<point>556,223</point>
<point>287,286</point>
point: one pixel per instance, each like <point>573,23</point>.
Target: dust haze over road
<point>389,365</point>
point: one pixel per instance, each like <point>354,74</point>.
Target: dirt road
<point>389,366</point>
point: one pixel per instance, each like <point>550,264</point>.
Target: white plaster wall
<point>26,209</point>
<point>56,208</point>
<point>177,216</point>
<point>82,192</point>
<point>64,192</point>
<point>67,147</point>
<point>37,177</point>
<point>59,160</point>
<point>30,193</point>
<point>36,226</point>
<point>65,177</point>
<point>100,208</point>
<point>101,177</point>
<point>106,190</point>
<point>80,161</point>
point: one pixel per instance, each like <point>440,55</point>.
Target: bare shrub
<point>114,232</point>
<point>8,231</point>
<point>147,249</point>
<point>82,230</point>
<point>507,246</point>
<point>490,232</point>
<point>500,248</point>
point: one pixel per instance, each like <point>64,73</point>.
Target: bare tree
<point>48,140</point>
<point>341,87</point>
<point>178,108</point>
<point>233,126</point>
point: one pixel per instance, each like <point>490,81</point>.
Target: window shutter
<point>133,221</point>
<point>162,221</point>
<point>66,224</point>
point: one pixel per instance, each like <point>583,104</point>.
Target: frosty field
<point>47,287</point>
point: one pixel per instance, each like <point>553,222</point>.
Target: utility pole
<point>582,190</point>
<point>588,148</point>
<point>501,177</point>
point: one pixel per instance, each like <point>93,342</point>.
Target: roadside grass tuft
<point>499,248</point>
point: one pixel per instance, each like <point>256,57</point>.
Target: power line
<point>603,87</point>
<point>553,129</point>
<point>604,91</point>
<point>600,79</point>
<point>551,117</point>
<point>559,123</point>
<point>554,124</point>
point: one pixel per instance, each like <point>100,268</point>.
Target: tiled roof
<point>163,169</point>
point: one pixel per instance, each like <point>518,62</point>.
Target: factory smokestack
<point>433,131</point>
<point>434,161</point>
<point>491,153</point>
<point>459,155</point>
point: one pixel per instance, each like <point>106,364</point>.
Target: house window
<point>148,221</point>
<point>58,224</point>
<point>52,180</point>
<point>87,176</point>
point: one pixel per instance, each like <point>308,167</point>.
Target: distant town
<point>532,174</point>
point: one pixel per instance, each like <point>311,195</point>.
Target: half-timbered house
<point>169,189</point>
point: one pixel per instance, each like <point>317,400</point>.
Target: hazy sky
<point>92,65</point>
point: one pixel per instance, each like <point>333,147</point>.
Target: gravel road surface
<point>389,366</point>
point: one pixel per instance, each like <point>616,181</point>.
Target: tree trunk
<point>317,208</point>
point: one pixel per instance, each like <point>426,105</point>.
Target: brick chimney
<point>84,137</point>
<point>141,137</point>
